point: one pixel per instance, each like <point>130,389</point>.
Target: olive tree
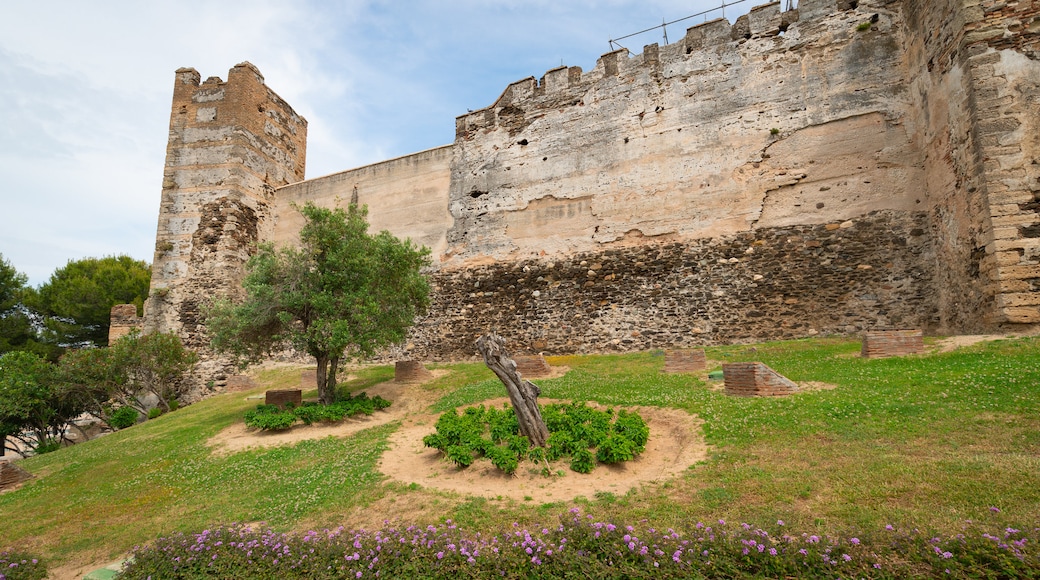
<point>341,293</point>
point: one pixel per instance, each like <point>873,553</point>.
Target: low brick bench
<point>411,371</point>
<point>11,475</point>
<point>532,366</point>
<point>755,379</point>
<point>685,361</point>
<point>884,343</point>
<point>282,397</point>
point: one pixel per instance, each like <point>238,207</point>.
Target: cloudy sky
<point>85,90</point>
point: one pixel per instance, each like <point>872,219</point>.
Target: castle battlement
<point>765,30</point>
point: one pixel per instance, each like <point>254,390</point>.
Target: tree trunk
<point>522,394</point>
<point>325,397</point>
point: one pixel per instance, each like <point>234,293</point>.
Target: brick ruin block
<point>884,343</point>
<point>532,366</point>
<point>11,475</point>
<point>282,397</point>
<point>237,383</point>
<point>685,361</point>
<point>755,379</point>
<point>122,319</point>
<point>411,371</point>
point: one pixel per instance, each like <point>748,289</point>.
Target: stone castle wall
<point>841,167</point>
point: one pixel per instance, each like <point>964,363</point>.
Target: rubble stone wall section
<point>777,283</point>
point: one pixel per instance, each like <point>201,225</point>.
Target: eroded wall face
<point>975,80</point>
<point>702,138</point>
<point>407,196</point>
<point>230,144</point>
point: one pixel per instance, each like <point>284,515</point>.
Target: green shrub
<point>122,418</point>
<point>154,413</point>
<point>270,417</point>
<point>574,429</point>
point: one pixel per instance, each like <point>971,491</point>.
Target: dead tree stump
<point>523,394</point>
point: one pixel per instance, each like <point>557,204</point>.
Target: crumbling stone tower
<point>231,143</point>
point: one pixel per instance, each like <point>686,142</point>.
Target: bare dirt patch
<point>407,399</point>
<point>952,343</point>
<point>675,443</point>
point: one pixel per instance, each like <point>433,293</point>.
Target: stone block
<point>885,343</point>
<point>685,361</point>
<point>532,366</point>
<point>813,9</point>
<point>282,397</point>
<point>123,319</point>
<point>765,20</point>
<point>708,34</point>
<point>411,371</point>
<point>755,379</point>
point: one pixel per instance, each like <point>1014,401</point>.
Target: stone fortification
<point>231,143</point>
<point>844,166</point>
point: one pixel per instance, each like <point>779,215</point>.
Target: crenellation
<point>709,34</point>
<point>764,20</point>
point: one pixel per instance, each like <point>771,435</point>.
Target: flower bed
<point>580,545</point>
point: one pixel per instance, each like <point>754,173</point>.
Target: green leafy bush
<point>575,430</point>
<point>122,418</point>
<point>154,413</point>
<point>270,417</point>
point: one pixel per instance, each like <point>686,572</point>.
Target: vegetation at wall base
<point>272,418</point>
<point>919,443</point>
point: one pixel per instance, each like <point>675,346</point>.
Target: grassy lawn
<point>928,442</point>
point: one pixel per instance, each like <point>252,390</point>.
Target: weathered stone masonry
<point>768,284</point>
<point>841,167</point>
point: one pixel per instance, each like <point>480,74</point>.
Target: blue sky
<point>85,90</point>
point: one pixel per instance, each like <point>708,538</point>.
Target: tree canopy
<point>342,293</point>
<point>34,407</point>
<point>78,298</point>
<point>18,328</point>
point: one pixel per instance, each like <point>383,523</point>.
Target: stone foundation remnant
<point>411,371</point>
<point>755,379</point>
<point>236,383</point>
<point>282,397</point>
<point>12,475</point>
<point>532,366</point>
<point>885,343</point>
<point>122,320</point>
<point>685,361</point>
